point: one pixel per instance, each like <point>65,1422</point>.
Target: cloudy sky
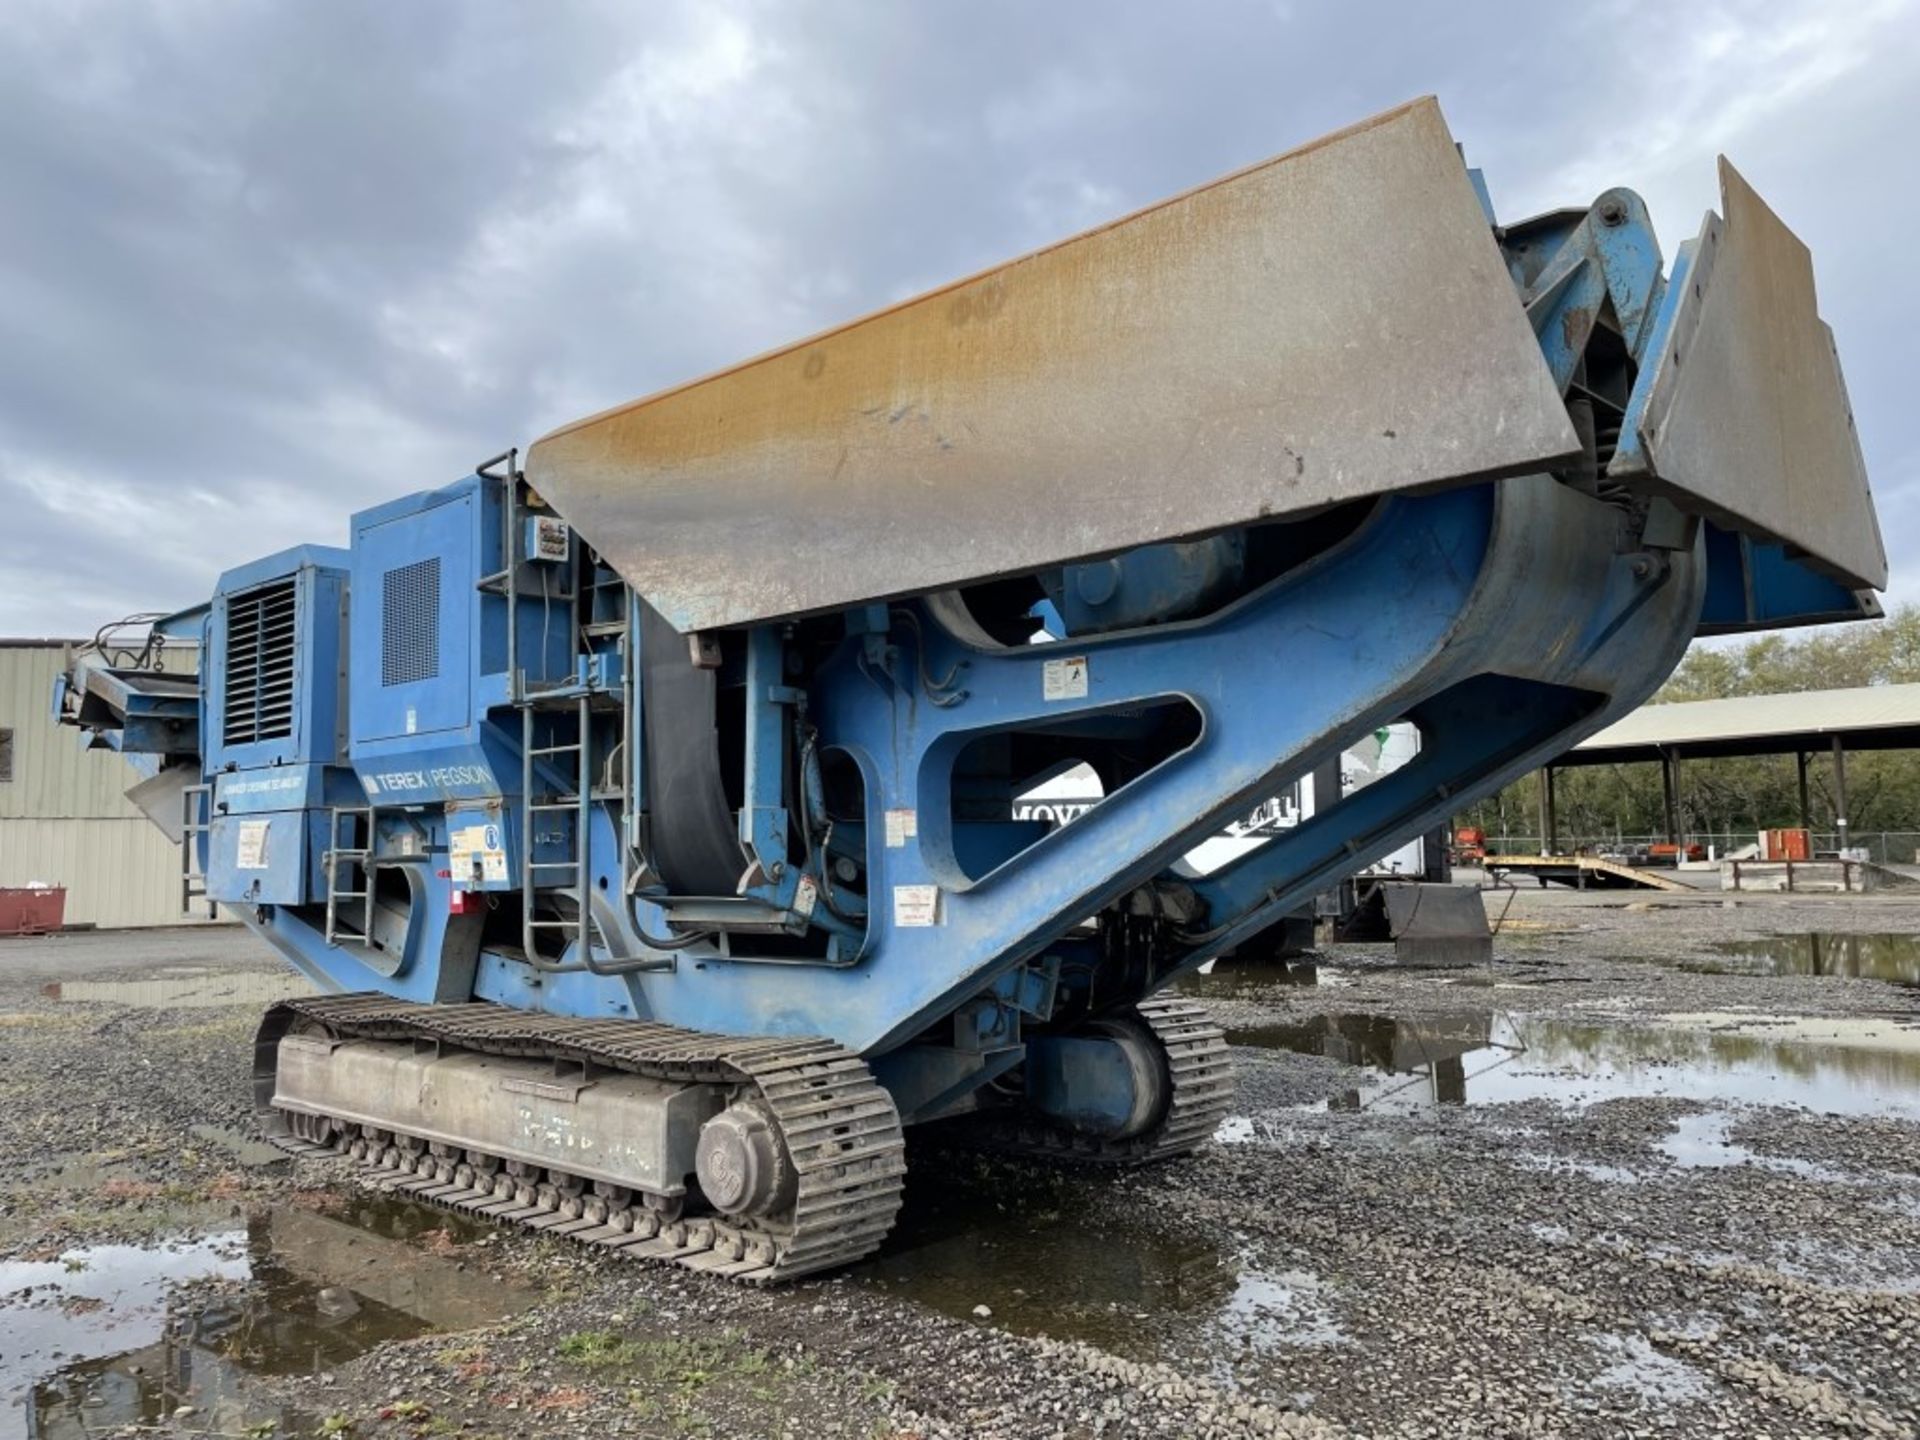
<point>263,264</point>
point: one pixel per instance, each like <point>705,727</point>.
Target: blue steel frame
<point>1507,620</point>
<point>1521,581</point>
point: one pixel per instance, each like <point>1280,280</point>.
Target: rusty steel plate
<point>1333,324</point>
<point>1747,421</point>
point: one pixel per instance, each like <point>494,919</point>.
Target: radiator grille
<point>410,623</point>
<point>260,635</point>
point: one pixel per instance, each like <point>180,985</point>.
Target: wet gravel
<point>1534,1199</point>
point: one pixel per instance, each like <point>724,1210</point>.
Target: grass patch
<point>685,1365</point>
<point>227,1027</point>
<point>599,1349</point>
<point>42,1020</point>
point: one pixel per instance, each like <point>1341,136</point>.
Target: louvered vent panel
<point>260,638</point>
<point>410,623</point>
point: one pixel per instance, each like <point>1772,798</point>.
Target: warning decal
<point>1064,679</point>
<point>916,906</point>
<point>475,853</point>
<point>250,853</point>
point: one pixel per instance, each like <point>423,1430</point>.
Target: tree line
<point>1743,795</point>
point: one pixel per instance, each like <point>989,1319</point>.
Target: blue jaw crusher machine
<point>644,815</point>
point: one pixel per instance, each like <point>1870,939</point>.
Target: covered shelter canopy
<point>1800,723</point>
<point>1872,717</point>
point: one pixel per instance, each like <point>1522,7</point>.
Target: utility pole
<point>1840,790</point>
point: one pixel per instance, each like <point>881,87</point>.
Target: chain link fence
<point>1884,847</point>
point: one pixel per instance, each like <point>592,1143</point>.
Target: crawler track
<point>1199,1069</point>
<point>840,1127</point>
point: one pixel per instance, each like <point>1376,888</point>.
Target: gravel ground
<point>1655,1199</point>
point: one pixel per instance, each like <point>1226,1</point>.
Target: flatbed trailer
<point>1583,872</point>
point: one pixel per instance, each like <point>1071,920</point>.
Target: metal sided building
<point>64,815</point>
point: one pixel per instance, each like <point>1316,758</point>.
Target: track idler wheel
<point>742,1163</point>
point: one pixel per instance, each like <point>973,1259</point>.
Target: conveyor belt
<point>694,830</point>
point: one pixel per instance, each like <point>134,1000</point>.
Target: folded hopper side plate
<point>1747,420</point>
<point>1437,925</point>
<point>1330,325</point>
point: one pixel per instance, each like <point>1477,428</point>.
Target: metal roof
<point>1872,717</point>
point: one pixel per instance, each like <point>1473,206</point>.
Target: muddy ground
<point>1655,1171</point>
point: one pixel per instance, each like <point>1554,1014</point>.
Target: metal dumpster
<point>33,909</point>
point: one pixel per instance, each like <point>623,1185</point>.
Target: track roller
<point>591,1129</point>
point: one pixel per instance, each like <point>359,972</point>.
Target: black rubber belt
<point>695,833</point>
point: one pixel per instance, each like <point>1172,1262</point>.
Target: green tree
<point>1872,652</point>
<point>1743,795</point>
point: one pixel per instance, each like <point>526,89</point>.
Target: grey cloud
<point>262,265</point>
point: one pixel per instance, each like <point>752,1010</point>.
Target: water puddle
<point>1893,958</point>
<point>243,1150</point>
<point>1658,1381</point>
<point>1850,1067</point>
<point>183,987</point>
<point>77,1170</point>
<point>1220,978</point>
<point>1569,1165</point>
<point>1042,1265</point>
<point>1291,1307</point>
<point>1705,1142</point>
<point>106,1336</point>
<point>1892,1035</point>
